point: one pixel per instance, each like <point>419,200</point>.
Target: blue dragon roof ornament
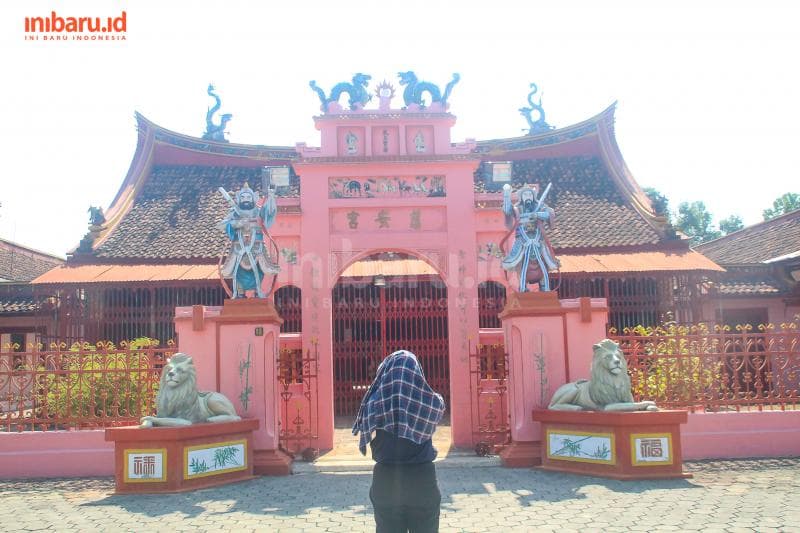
<point>215,132</point>
<point>540,125</point>
<point>357,92</point>
<point>414,90</point>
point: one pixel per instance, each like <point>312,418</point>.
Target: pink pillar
<point>219,339</point>
<point>548,342</point>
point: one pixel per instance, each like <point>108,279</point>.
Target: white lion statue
<point>180,404</point>
<point>608,390</point>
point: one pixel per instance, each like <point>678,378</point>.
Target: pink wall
<point>582,334</point>
<point>728,435</point>
<point>200,344</point>
<point>705,436</point>
<point>56,454</point>
<point>563,336</point>
<point>218,345</point>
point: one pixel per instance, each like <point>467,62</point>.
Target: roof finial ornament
<point>215,132</point>
<point>412,95</point>
<point>357,91</point>
<point>385,93</point>
<point>96,221</point>
<point>540,125</point>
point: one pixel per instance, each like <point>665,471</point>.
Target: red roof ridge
<point>605,115</point>
<point>141,120</point>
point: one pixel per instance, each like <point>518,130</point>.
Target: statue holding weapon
<point>531,255</point>
<point>248,260</point>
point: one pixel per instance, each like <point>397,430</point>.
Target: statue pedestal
<point>177,459</point>
<point>235,350</point>
<point>637,445</point>
<point>549,342</point>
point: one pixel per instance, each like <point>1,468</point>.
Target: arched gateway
<point>386,302</point>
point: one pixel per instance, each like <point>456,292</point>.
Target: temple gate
<point>388,180</point>
<point>379,315</point>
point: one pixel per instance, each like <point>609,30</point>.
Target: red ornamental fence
<point>82,386</point>
<point>298,374</point>
<point>722,369</point>
<point>489,397</point>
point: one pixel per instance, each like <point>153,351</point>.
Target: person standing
<point>397,418</point>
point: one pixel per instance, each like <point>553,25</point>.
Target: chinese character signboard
<point>651,449</point>
<point>142,466</point>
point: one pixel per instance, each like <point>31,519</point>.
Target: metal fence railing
<point>719,369</point>
<point>80,386</point>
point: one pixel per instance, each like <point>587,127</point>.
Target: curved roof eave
<point>557,136</point>
<point>624,179</point>
<point>150,135</point>
<point>601,128</point>
<point>138,170</point>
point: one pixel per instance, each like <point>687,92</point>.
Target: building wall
<point>777,311</point>
<point>24,325</point>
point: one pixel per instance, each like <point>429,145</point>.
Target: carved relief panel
<point>350,141</point>
<point>385,141</point>
<point>419,140</point>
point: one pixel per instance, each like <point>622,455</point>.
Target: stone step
<point>364,464</point>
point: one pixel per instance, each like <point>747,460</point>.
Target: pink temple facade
<point>389,235</point>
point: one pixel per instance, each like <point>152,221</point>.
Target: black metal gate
<point>370,322</point>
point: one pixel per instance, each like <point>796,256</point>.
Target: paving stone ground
<point>736,495</point>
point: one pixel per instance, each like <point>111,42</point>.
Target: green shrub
<point>100,381</point>
<point>678,364</point>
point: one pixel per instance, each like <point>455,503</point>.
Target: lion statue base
<point>180,404</point>
<point>608,390</point>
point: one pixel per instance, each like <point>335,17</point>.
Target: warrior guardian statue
<point>248,260</point>
<point>531,256</point>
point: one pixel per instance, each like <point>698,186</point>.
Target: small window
<point>18,342</point>
<point>288,302</point>
<point>491,300</point>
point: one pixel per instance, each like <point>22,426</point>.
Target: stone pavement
<point>742,495</point>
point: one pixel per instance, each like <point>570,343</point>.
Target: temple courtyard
<point>735,495</point>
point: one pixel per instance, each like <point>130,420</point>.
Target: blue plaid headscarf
<point>399,401</point>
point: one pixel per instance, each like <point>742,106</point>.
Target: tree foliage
<point>98,382</point>
<point>674,366</point>
<point>785,204</point>
<point>659,201</point>
<point>694,220</point>
<point>731,224</point>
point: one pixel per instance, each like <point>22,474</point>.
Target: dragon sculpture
<point>96,216</point>
<point>412,94</point>
<point>215,132</point>
<point>540,125</point>
<point>357,91</point>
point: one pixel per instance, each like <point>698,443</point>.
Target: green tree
<point>785,204</point>
<point>659,201</point>
<point>694,220</point>
<point>730,224</point>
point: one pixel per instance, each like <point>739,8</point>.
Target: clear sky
<point>708,91</point>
